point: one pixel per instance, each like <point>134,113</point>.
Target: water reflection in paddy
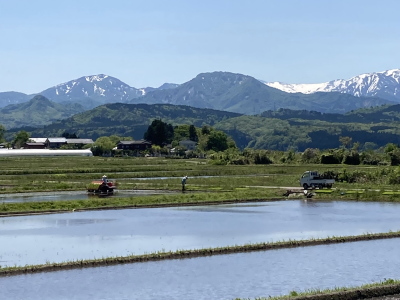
<point>245,275</point>
<point>72,195</point>
<point>96,234</point>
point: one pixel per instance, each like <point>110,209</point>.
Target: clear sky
<point>149,42</point>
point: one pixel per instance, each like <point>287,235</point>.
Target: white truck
<point>313,179</point>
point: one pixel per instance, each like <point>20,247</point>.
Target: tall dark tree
<point>68,135</point>
<point>193,134</point>
<point>159,133</point>
<point>205,130</point>
<point>2,131</point>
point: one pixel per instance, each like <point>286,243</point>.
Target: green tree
<point>193,134</point>
<point>181,132</point>
<point>68,135</point>
<point>2,132</point>
<point>345,141</point>
<point>102,146</point>
<point>217,141</point>
<point>20,139</point>
<point>205,130</point>
<point>390,147</point>
<point>116,139</point>
<point>159,133</point>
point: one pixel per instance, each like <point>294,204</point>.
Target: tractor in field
<point>102,187</point>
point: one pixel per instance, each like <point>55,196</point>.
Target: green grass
<point>359,292</point>
<point>142,201</point>
<point>225,183</point>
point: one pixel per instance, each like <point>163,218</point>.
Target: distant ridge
<point>226,91</point>
<point>385,85</point>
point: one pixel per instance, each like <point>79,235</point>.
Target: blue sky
<point>150,42</point>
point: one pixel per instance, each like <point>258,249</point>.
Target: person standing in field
<point>184,178</point>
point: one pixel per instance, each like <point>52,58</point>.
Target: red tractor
<point>103,186</point>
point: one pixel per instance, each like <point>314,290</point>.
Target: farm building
<point>134,145</point>
<point>44,152</point>
<point>188,144</point>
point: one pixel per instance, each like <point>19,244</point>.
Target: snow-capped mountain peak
<point>99,88</point>
<point>385,84</point>
<point>93,78</point>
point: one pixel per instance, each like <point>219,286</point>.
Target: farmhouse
<point>79,143</point>
<point>37,140</point>
<point>30,145</point>
<point>188,144</point>
<point>56,142</point>
<point>134,145</point>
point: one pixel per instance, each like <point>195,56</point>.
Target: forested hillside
<point>38,111</point>
<point>128,120</point>
<point>280,130</point>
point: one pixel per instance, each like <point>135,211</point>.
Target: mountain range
<point>227,91</point>
<point>385,85</point>
<point>247,95</point>
<point>89,91</point>
<point>222,91</point>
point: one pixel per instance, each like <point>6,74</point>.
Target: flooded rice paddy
<point>72,195</point>
<point>245,275</point>
<point>96,234</point>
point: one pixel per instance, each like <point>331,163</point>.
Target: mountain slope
<point>384,85</point>
<point>36,112</point>
<point>7,98</point>
<point>92,91</point>
<point>244,94</point>
<point>130,119</point>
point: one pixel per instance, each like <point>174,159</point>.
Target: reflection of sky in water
<point>72,195</point>
<point>82,235</point>
<point>244,275</point>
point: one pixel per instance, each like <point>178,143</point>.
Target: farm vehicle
<point>103,186</point>
<point>312,179</point>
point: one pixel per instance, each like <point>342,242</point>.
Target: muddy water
<point>72,195</point>
<point>96,234</point>
<point>245,275</point>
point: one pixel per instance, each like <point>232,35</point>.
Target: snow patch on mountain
<point>385,84</point>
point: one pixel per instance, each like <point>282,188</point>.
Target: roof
<point>35,144</point>
<point>187,142</point>
<point>57,140</point>
<point>38,140</point>
<point>80,141</point>
<point>138,142</point>
<point>44,152</point>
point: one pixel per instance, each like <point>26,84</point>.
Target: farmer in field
<point>184,178</point>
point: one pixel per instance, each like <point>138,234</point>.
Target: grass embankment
<point>213,196</point>
<point>231,183</point>
<point>179,199</point>
<point>181,254</point>
<point>378,289</point>
<point>35,174</point>
<point>55,174</point>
